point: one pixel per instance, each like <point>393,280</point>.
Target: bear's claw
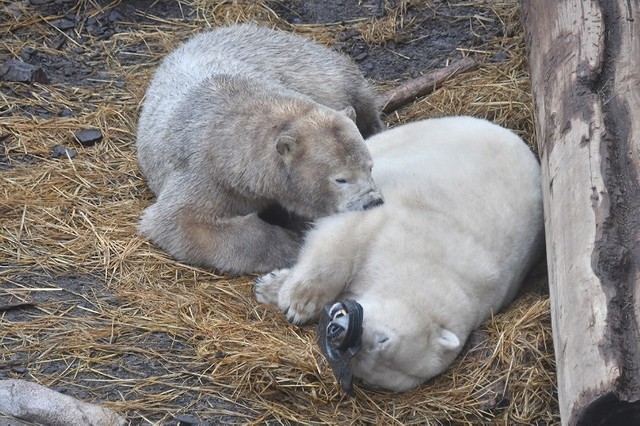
<point>267,286</point>
<point>301,313</point>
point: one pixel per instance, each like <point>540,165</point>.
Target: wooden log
<point>420,86</point>
<point>35,403</point>
<point>584,60</point>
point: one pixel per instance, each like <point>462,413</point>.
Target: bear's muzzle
<point>374,203</point>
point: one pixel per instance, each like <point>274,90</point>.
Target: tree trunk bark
<point>584,61</point>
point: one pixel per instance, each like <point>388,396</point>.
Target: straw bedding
<point>113,320</point>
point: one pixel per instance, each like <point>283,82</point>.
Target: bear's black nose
<point>375,203</point>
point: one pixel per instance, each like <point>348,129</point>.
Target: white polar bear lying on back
<point>461,225</point>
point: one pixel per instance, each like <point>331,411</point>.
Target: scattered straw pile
<point>120,323</point>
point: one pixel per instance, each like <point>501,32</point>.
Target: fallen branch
<point>415,88</point>
<point>35,403</point>
<point>17,305</point>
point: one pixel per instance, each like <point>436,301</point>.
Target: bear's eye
<point>340,180</point>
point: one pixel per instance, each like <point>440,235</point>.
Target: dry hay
<point>120,323</point>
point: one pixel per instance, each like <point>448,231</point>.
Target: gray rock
<point>88,137</point>
<point>14,70</point>
<point>59,151</point>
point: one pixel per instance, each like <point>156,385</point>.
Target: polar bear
<point>461,225</point>
<point>245,135</point>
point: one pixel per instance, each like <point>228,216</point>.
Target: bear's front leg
<point>301,299</point>
<point>236,245</point>
<point>242,244</point>
<point>332,253</point>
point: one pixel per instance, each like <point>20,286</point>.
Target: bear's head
<point>327,164</point>
<point>401,350</point>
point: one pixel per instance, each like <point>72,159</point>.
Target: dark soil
<point>432,36</point>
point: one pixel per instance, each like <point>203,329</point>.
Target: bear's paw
<point>267,287</point>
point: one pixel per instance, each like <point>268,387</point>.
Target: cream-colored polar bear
<point>243,129</point>
<point>461,225</point>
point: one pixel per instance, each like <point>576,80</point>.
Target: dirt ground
<point>439,33</point>
<point>94,326</point>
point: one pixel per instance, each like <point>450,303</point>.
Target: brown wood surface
<point>584,61</point>
<point>420,86</point>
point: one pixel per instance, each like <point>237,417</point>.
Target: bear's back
<point>275,58</point>
<point>472,189</point>
<point>452,150</point>
<point>458,161</point>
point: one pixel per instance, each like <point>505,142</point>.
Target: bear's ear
<point>349,112</point>
<point>285,144</point>
<point>380,341</point>
<point>448,339</point>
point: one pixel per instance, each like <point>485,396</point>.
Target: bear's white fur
<point>461,225</point>
<point>245,134</point>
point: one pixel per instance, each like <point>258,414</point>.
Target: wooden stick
<point>18,305</point>
<point>427,83</point>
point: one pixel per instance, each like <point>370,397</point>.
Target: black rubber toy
<point>340,339</point>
